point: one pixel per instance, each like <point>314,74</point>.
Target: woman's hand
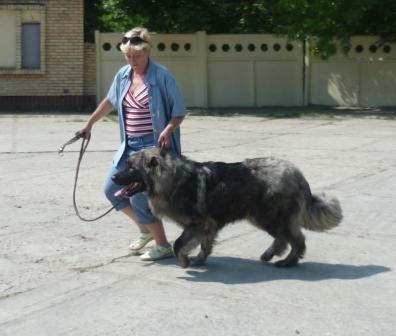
<point>164,139</point>
<point>85,131</point>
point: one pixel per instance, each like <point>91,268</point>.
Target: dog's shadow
<point>233,270</point>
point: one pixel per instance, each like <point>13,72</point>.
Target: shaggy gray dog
<point>202,198</point>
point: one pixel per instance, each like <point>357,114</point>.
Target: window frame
<point>19,9</point>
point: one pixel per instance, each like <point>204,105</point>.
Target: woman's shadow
<point>234,270</point>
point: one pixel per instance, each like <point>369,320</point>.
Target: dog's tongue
<point>124,192</point>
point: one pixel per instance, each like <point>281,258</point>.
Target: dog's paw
<point>266,256</point>
<point>184,261</point>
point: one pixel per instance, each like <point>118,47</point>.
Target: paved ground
<point>61,276</point>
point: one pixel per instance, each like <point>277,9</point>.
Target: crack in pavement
<point>92,267</point>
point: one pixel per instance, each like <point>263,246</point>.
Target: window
<point>30,45</point>
<point>21,39</point>
<point>8,44</point>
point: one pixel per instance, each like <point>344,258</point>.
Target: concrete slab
<point>61,276</point>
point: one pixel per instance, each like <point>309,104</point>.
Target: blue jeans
<point>138,202</point>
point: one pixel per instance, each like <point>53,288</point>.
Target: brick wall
<point>89,69</point>
<point>90,75</point>
<point>60,85</point>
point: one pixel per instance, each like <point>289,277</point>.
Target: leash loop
<point>83,148</point>
<point>77,136</point>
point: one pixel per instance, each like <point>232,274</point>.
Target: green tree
<point>325,21</point>
<point>92,18</point>
<point>183,16</point>
<point>332,23</point>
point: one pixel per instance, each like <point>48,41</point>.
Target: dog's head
<point>145,170</point>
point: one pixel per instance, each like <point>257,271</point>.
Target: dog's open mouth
<point>130,190</point>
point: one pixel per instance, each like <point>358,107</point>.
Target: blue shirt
<point>165,102</point>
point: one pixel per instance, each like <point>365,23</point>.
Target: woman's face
<point>138,59</point>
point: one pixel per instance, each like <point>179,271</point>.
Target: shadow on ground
<point>233,270</point>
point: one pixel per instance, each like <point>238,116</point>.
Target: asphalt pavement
<point>62,276</point>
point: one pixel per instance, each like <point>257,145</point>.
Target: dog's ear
<point>154,165</point>
<point>153,162</point>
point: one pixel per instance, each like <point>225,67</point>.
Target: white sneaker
<point>157,253</point>
<point>141,242</point>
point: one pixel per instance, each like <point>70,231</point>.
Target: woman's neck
<point>142,71</point>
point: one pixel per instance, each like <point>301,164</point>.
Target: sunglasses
<point>132,40</point>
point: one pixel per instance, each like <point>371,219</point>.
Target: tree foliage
<point>323,20</point>
<point>332,23</point>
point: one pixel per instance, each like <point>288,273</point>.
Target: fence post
<point>203,67</point>
<point>98,66</point>
<point>306,73</point>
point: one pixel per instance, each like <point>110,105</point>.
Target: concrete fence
<point>365,77</point>
<point>254,70</point>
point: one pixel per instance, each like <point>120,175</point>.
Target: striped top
<point>136,112</point>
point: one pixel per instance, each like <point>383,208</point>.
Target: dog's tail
<point>323,213</point>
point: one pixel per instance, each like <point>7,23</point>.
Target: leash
<point>83,148</point>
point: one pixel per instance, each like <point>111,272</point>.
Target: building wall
<point>89,72</point>
<point>59,83</point>
<point>89,69</point>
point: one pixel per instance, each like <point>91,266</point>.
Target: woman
<point>150,109</point>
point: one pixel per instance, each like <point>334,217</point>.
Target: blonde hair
<point>141,32</point>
